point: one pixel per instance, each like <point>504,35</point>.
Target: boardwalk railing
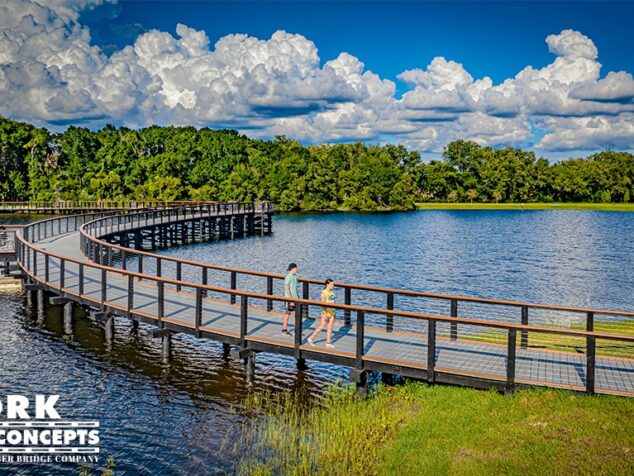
<point>7,247</point>
<point>69,277</point>
<point>7,237</point>
<point>515,312</point>
<point>70,206</point>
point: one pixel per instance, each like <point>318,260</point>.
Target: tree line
<point>185,163</point>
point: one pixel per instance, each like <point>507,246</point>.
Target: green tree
<point>203,164</point>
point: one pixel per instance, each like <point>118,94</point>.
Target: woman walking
<point>327,314</point>
<point>290,291</point>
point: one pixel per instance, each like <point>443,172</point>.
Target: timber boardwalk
<point>101,261</point>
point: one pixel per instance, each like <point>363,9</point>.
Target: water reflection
<point>156,416</point>
<point>576,258</point>
<point>182,415</point>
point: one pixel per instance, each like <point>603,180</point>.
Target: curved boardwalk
<point>75,206</point>
<point>57,263</point>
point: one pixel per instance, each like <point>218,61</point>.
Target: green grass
<point>345,435</point>
<point>621,207</point>
<point>417,429</point>
<point>462,431</point>
<point>564,343</point>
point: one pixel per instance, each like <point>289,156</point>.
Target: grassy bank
<point>565,343</point>
<point>614,207</point>
<point>418,429</point>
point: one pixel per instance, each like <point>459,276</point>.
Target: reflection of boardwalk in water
<point>6,241</point>
<point>7,254</point>
<point>177,306</point>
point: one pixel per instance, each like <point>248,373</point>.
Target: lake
<point>183,415</point>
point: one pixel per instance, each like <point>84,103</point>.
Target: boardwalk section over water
<point>71,207</point>
<point>7,247</point>
<point>102,263</point>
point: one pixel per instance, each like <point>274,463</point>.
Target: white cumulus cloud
<point>52,73</point>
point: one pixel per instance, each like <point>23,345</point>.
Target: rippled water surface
<point>183,415</point>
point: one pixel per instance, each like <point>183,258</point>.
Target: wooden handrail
<point>309,302</point>
<point>360,287</point>
<point>96,202</point>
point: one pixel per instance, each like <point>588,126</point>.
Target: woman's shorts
<point>289,306</point>
<point>328,313</point>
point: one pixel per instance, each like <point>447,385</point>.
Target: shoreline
<point>590,206</point>
<point>613,207</point>
<point>417,428</point>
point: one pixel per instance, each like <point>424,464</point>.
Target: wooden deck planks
<point>557,369</point>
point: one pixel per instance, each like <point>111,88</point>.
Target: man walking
<point>290,291</point>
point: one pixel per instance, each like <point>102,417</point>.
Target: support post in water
<point>68,317</point>
<point>109,328</point>
<point>249,365</point>
<point>166,347</point>
<point>40,304</point>
<point>29,298</point>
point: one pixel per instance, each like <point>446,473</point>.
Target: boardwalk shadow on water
<point>188,408</point>
<point>153,301</point>
<point>183,379</point>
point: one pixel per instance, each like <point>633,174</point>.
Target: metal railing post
<point>205,280</point>
<point>347,300</point>
<point>454,325</point>
<point>104,288</point>
<point>81,279</point>
<point>305,295</point>
<point>298,329</point>
<point>360,340</point>
<point>62,272</point>
<point>161,302</point>
<point>431,350</point>
<point>269,291</point>
<point>590,355</point>
<point>524,338</point>
<point>244,316</point>
<point>511,360</point>
<point>199,311</point>
<point>232,299</point>
<point>130,303</point>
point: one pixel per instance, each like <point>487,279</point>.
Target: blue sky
<point>495,38</point>
<point>555,77</point>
